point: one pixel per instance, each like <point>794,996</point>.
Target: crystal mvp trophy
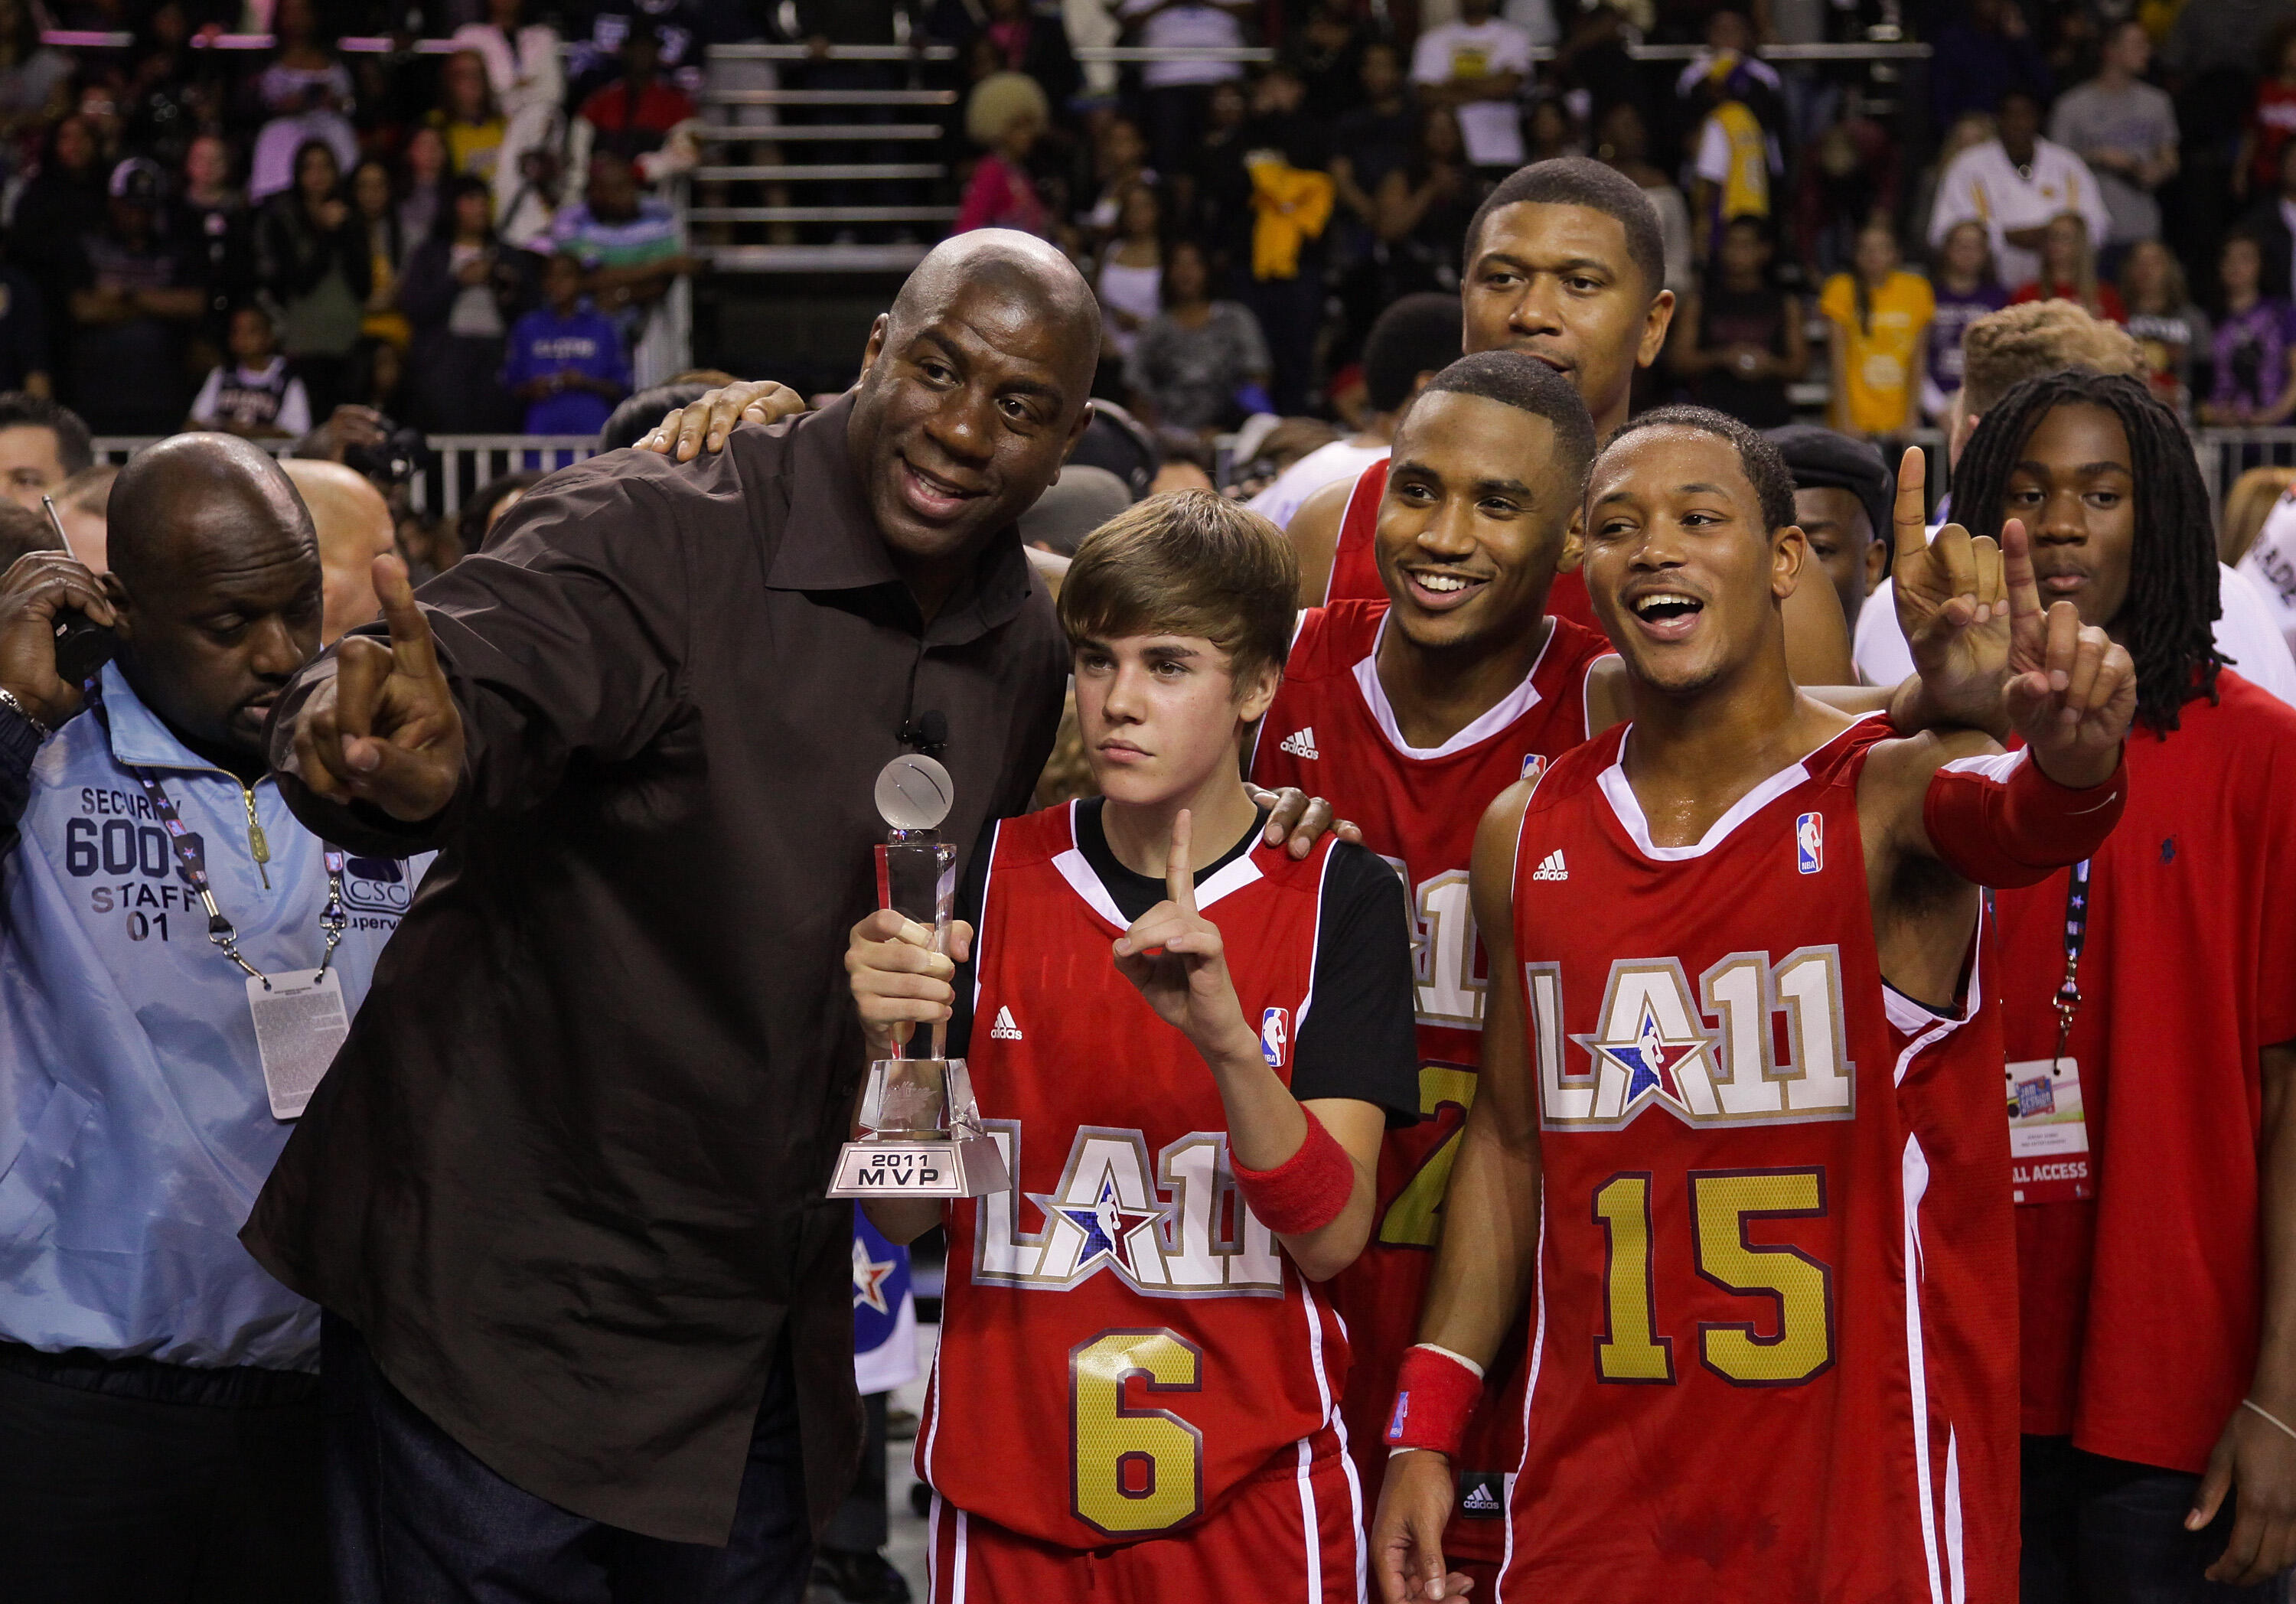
<point>922,1132</point>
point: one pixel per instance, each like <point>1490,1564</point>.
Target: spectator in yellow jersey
<point>1880,313</point>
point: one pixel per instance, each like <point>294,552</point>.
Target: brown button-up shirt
<point>565,1175</point>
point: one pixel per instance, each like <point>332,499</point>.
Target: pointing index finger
<point>410,633</point>
<point>1909,519</point>
<point>1179,876</point>
<point>2017,573</point>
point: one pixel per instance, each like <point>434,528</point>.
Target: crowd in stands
<point>1832,226</point>
<point>260,235</point>
<point>245,239</point>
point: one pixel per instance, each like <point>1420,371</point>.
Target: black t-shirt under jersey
<point>1359,1039</point>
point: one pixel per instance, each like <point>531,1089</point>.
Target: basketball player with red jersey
<point>1564,263</point>
<point>1411,715</point>
<point>1137,1388</point>
<point>1771,1354</point>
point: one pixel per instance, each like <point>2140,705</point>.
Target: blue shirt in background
<point>543,343</point>
<point>135,1129</point>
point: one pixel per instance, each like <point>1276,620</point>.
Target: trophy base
<point>959,1166</point>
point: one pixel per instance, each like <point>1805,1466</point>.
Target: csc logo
<point>373,885</point>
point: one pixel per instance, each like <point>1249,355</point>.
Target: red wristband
<point>2001,821</point>
<point>1307,1191</point>
<point>1435,1393</point>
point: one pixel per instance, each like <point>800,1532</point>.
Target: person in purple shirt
<point>2255,344</point>
<point>565,359</point>
<point>1965,285</point>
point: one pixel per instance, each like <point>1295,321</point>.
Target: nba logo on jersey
<point>1275,1029</point>
<point>1810,843</point>
<point>1533,766</point>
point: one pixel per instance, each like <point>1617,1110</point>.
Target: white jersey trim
<point>1914,1179</point>
<point>1077,869</point>
<point>1620,792</point>
<point>1925,1024</point>
<point>1529,1393</point>
<point>1496,718</point>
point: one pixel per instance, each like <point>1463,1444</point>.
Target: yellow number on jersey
<point>1804,1345</point>
<point>1414,1219</point>
<point>1631,1352</point>
<point>1721,1204</point>
<point>1136,1470</point>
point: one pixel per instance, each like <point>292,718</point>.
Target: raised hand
<point>2071,689</point>
<point>36,588</point>
<point>1951,604</point>
<point>1174,955</point>
<point>2071,692</point>
<point>704,423</point>
<point>385,729</point>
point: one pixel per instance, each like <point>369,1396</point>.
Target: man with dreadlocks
<point>2156,1240</point>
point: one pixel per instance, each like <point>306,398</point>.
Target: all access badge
<point>2048,1134</point>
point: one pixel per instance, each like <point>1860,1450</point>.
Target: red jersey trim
<point>1342,582</point>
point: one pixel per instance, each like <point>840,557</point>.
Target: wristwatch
<point>8,700</point>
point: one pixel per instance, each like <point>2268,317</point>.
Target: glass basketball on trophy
<point>921,1136</point>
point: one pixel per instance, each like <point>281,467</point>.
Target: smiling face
<point>1966,249</point>
<point>2073,488</point>
<point>1683,572</point>
<point>1159,714</point>
<point>1557,283</point>
<point>969,402</point>
<point>1474,520</point>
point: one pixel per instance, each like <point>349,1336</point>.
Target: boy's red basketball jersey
<point>1774,1345</point>
<point>1333,734</point>
<point>1355,570</point>
<point>1123,1342</point>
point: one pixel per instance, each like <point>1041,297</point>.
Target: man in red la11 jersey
<point>1137,1388</point>
<point>1738,1144</point>
<point>1411,717</point>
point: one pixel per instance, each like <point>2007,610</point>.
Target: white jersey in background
<point>1340,460</point>
<point>2270,565</point>
<point>2248,630</point>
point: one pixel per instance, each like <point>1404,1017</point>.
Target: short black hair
<point>1524,382</point>
<point>1764,468</point>
<point>636,417</point>
<point>20,409</point>
<point>1418,334</point>
<point>1580,180</point>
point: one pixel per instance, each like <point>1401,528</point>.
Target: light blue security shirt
<point>135,1128</point>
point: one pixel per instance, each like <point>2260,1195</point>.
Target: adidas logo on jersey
<point>1551,867</point>
<point>1005,1029</point>
<point>1301,743</point>
<point>1481,1499</point>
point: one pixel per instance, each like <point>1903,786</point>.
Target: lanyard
<point>2069,994</point>
<point>333,918</point>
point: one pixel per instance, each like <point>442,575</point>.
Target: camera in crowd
<point>395,459</point>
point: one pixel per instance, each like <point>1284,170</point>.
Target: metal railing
<point>465,461</point>
<point>92,38</point>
